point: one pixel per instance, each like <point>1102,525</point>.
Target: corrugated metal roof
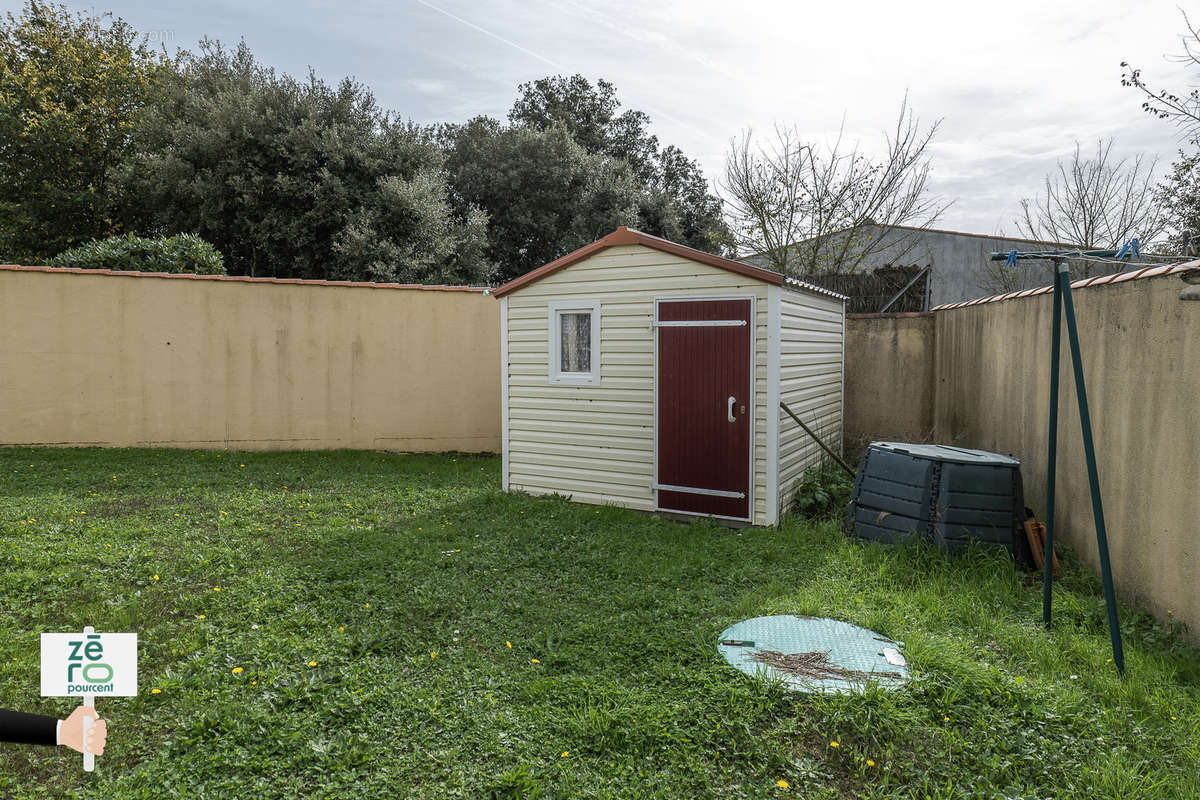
<point>810,287</point>
<point>1119,277</point>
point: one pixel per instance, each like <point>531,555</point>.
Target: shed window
<point>576,330</point>
<point>574,343</point>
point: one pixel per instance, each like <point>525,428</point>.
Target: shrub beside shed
<point>641,373</point>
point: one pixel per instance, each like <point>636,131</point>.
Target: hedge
<point>184,252</point>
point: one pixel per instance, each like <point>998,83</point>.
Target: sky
<point>1014,84</point>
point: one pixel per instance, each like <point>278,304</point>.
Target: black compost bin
<point>947,495</point>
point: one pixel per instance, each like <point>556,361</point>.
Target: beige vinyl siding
<point>810,382</point>
<point>596,443</point>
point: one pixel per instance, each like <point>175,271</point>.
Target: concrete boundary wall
<point>889,378</point>
<point>988,367</point>
<point>116,359</point>
<point>1141,353</point>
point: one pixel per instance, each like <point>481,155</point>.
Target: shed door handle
<point>732,400</point>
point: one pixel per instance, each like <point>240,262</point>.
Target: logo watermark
<point>88,664</point>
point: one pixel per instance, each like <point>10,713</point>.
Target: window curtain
<point>576,342</point>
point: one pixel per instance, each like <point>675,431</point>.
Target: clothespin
<point>1135,249</point>
<point>1123,251</point>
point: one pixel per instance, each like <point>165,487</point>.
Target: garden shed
<point>642,373</point>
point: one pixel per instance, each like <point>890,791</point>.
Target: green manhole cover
<point>812,654</point>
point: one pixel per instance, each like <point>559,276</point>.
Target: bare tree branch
<point>1096,203</point>
<point>1183,109</point>
<point>807,208</point>
<point>762,184</point>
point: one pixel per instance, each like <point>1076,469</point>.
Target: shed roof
<point>625,236</point>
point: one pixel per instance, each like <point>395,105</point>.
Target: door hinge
<point>666,487</point>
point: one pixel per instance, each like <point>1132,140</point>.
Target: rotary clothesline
<point>1064,307</point>
<point>1130,251</point>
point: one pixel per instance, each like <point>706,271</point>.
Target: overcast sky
<point>1015,83</point>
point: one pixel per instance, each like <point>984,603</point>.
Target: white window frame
<point>557,309</point>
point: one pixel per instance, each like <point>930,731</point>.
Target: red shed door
<point>704,408</point>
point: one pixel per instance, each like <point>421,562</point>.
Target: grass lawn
<point>363,625</point>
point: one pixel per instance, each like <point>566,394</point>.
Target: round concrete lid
<point>813,654</point>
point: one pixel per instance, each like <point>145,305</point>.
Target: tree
<point>804,208</point>
<point>71,87</point>
<point>1180,191</point>
<point>678,205</point>
<point>1095,203</point>
<point>675,200</point>
<point>1180,196</point>
<point>589,114</point>
<point>545,194</point>
<point>298,179</point>
<point>1183,109</point>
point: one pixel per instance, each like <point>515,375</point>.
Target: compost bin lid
<point>813,654</point>
<point>944,452</point>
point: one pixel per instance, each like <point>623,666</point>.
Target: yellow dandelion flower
<point>945,719</point>
<point>200,616</point>
<point>224,513</point>
<point>237,670</point>
<point>870,763</point>
<point>254,683</point>
<point>834,744</point>
<point>366,605</point>
<point>312,663</point>
<point>216,588</point>
<point>509,644</point>
<point>156,691</point>
<point>433,655</point>
<point>1173,719</point>
<point>156,576</point>
<point>534,661</point>
<point>341,627</point>
<point>782,784</point>
<point>564,754</point>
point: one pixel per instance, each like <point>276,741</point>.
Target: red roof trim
<point>1102,280</point>
<point>624,235</point>
<point>240,278</point>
